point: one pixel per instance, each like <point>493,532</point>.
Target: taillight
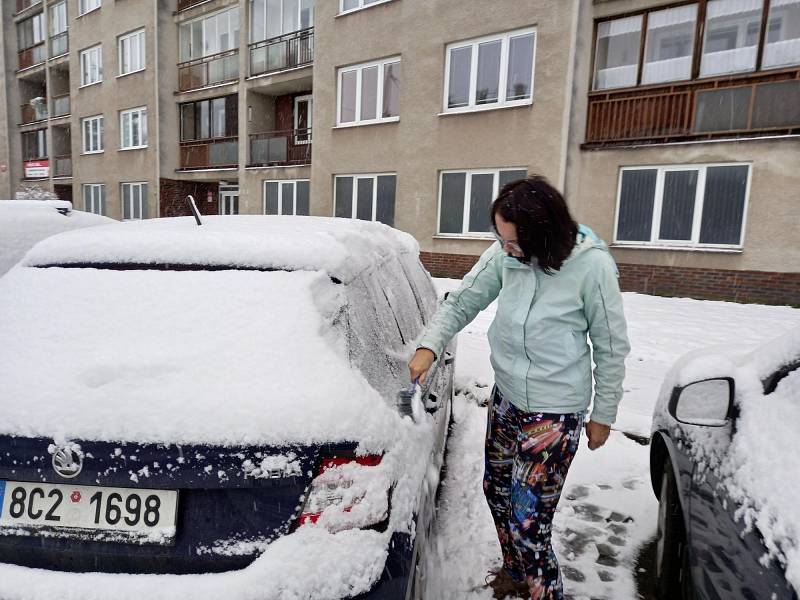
<point>348,493</point>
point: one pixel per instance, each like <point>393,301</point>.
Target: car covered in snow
<point>214,412</point>
<point>725,468</point>
<point>23,223</point>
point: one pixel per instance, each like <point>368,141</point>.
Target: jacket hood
<point>586,240</point>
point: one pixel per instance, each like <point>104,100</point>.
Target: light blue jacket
<point>539,351</point>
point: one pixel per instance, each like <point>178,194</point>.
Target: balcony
<point>184,4</point>
<point>59,44</point>
<point>26,4</point>
<point>764,103</point>
<point>209,70</point>
<point>62,166</point>
<point>291,147</point>
<point>288,51</point>
<point>32,56</point>
<point>61,106</point>
<point>33,112</point>
<point>219,153</point>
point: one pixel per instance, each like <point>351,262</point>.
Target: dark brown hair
<point>545,229</point>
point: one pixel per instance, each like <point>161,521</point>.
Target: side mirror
<point>708,402</point>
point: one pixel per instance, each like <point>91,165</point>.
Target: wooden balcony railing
<point>61,106</point>
<point>209,70</point>
<point>184,4</point>
<point>32,56</point>
<point>763,103</point>
<point>62,165</point>
<point>210,154</point>
<point>26,4</point>
<point>288,51</point>
<point>280,148</point>
<point>31,113</point>
<point>59,44</point>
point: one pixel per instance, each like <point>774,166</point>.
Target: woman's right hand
<point>420,363</point>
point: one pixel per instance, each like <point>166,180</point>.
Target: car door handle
<point>448,358</point>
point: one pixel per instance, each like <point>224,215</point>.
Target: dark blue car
<point>725,429</point>
<point>219,398</point>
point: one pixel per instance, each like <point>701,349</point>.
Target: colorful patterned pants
<point>527,459</point>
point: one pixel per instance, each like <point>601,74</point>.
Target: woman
<point>554,281</point>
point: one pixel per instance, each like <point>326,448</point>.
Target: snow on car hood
<point>218,357</point>
<point>340,247</point>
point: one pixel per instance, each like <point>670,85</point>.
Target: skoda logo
<point>67,463</point>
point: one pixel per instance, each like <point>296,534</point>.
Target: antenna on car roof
<point>195,212</point>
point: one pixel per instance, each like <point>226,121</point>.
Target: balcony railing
<point>62,166</point>
<point>281,148</point>
<point>210,154</point>
<point>32,56</point>
<point>288,51</point>
<point>26,4</point>
<point>209,70</point>
<point>31,113</point>
<point>184,4</point>
<point>61,105</point>
<point>59,44</point>
<point>746,106</point>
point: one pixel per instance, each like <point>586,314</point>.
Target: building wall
<point>5,157</point>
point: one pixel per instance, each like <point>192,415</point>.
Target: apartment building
<point>672,126</point>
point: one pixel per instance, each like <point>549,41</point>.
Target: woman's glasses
<point>511,246</point>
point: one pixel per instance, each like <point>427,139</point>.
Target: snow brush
<point>409,401</point>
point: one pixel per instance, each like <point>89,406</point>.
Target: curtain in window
<point>271,191</point>
<point>617,52</point>
<point>384,211</point>
<point>670,43</point>
<point>731,36</point>
<point>458,84</point>
<point>677,205</point>
<point>479,202</point>
<point>636,202</point>
<point>782,46</point>
<point>451,215</point>
<point>723,207</point>
<point>364,192</point>
<point>302,198</point>
<point>344,197</point>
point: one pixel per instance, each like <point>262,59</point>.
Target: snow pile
<point>340,247</point>
<point>25,222</point>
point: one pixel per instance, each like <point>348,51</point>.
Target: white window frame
<point>474,43</point>
<point>204,19</point>
<point>232,192</point>
<point>84,57</point>
<point>142,57</point>
<point>283,6</point>
<point>354,199</point>
<point>465,232</point>
<point>362,5</point>
<point>54,21</point>
<point>98,195</point>
<point>310,99</point>
<point>359,69</point>
<point>697,218</point>
<point>87,6</point>
<point>280,183</point>
<point>123,128</point>
<point>142,199</point>
<point>99,122</point>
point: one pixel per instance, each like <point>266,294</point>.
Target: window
<point>34,144</point>
<point>367,197</point>
<point>274,18</point>
<point>94,198</point>
<point>30,32</point>
<point>686,205</point>
<point>286,197</point>
<point>782,46</point>
<point>466,196</point>
<point>134,200</point>
<point>92,134</point>
<point>92,65</point>
<point>490,72</point>
<point>133,128</point>
<point>228,200</point>
<point>731,37</point>
<point>303,119</point>
<point>353,5</point>
<point>210,35</point>
<point>670,44</point>
<point>369,93</point>
<point>85,6</point>
<point>617,53</point>
<point>207,119</point>
<point>131,52</point>
<point>58,18</point>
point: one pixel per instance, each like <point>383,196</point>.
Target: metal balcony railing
<point>210,154</point>
<point>288,51</point>
<point>31,113</point>
<point>184,4</point>
<point>26,4</point>
<point>59,44</point>
<point>280,148</point>
<point>61,106</point>
<point>209,70</point>
<point>32,56</point>
<point>62,165</point>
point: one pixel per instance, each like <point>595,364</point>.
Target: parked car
<point>725,468</point>
<point>216,398</point>
<point>25,222</point>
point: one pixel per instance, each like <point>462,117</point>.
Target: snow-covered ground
<point>608,509</point>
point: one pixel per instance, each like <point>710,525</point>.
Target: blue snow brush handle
<point>405,398</point>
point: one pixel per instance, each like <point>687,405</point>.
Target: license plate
<point>132,514</point>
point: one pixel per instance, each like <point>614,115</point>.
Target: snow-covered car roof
<point>340,247</point>
<point>25,222</point>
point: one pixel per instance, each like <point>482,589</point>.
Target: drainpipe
<point>570,88</point>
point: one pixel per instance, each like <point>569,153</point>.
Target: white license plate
<point>131,513</point>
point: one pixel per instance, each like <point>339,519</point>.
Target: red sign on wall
<point>37,169</point>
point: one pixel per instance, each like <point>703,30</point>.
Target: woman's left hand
<point>597,433</point>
